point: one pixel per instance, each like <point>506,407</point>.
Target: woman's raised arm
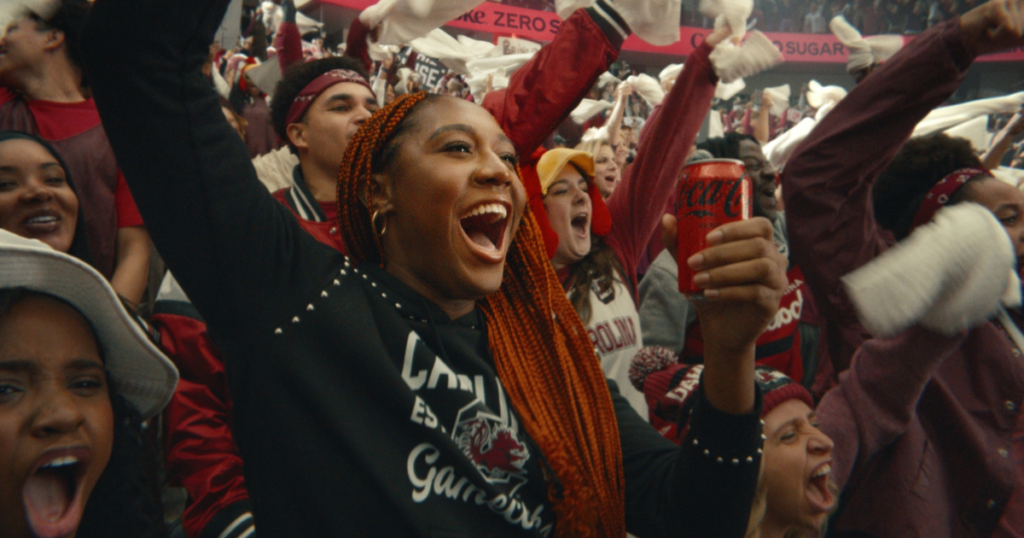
<point>235,251</point>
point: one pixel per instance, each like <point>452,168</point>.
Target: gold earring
<point>373,223</point>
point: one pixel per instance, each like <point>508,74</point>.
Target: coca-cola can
<point>711,193</point>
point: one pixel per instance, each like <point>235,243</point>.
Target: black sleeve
<point>703,489</point>
<point>241,257</point>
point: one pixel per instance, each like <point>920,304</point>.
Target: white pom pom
<point>726,91</point>
<point>595,133</point>
<point>670,72</point>
<point>648,88</point>
<point>731,13</point>
<point>755,55</point>
<point>587,109</point>
<point>818,96</point>
<point>780,98</point>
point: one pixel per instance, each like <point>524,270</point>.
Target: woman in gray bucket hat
<point>78,378</point>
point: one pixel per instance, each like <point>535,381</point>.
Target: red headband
<point>940,194</point>
<point>313,90</point>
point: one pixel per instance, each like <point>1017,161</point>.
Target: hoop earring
<point>373,223</point>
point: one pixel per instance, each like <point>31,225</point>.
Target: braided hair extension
<point>541,349</point>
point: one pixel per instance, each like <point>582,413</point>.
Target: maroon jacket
<point>937,464</point>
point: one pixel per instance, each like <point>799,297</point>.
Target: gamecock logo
<point>494,447</point>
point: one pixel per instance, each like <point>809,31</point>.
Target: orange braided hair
<point>541,350</point>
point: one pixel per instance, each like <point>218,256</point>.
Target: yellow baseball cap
<point>553,161</point>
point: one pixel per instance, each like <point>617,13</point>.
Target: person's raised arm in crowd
<point>585,45</point>
<point>762,126</point>
<point>614,123</point>
<point>1018,159</point>
<point>638,201</point>
<point>211,274</point>
<point>1003,141</point>
<point>288,40</point>
<point>318,106</point>
<point>827,184</point>
<point>380,82</point>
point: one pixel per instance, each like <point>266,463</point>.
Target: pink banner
<point>541,26</point>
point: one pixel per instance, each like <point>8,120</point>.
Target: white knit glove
<point>949,275</point>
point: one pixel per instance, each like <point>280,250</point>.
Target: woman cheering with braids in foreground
<point>436,382</point>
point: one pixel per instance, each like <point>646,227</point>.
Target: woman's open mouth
<point>486,225</point>
<point>818,494</point>
<point>52,493</point>
<point>581,225</point>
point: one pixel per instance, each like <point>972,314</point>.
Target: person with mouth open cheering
<point>436,380</point>
<point>77,380</point>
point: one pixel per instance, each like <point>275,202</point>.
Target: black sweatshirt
<point>360,408</point>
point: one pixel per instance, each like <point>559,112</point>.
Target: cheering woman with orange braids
<point>437,382</point>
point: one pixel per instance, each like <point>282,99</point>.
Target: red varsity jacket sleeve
<point>543,92</point>
<point>200,450</point>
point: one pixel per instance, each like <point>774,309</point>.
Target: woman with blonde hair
<point>606,172</point>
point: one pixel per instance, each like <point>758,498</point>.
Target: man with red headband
<point>317,108</point>
<point>952,462</point>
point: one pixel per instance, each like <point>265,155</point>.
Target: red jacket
<point>201,453</point>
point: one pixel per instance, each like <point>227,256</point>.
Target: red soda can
<point>711,193</point>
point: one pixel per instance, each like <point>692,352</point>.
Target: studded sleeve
<point>703,488</point>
